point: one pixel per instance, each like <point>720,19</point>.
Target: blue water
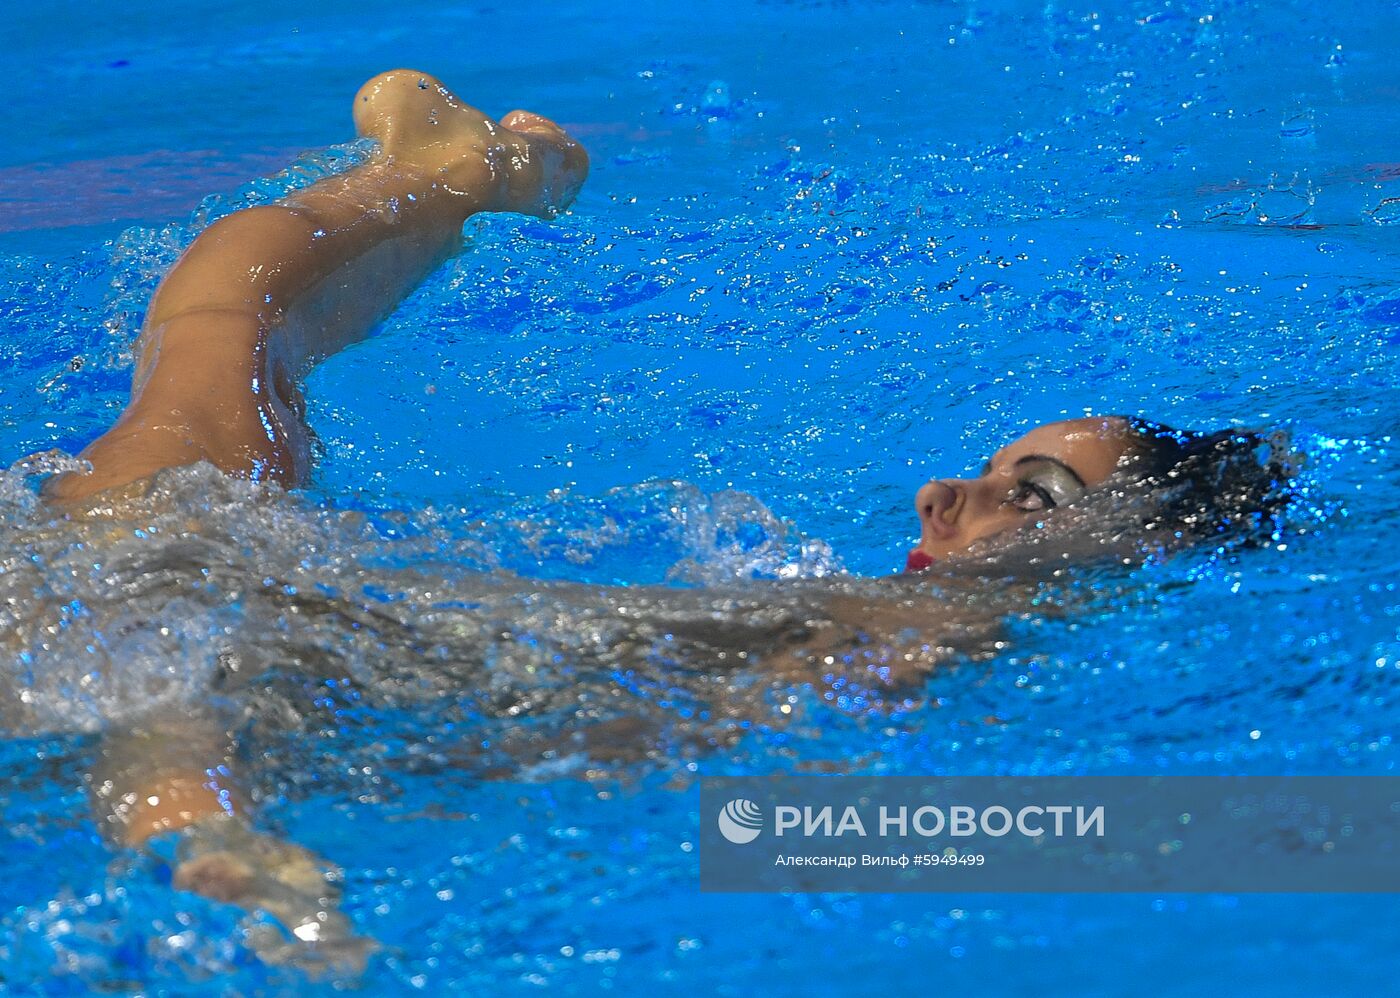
<point>827,251</point>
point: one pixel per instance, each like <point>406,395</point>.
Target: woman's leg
<point>163,773</point>
<point>266,292</point>
<point>176,773</point>
<point>256,299</point>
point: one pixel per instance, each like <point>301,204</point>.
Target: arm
<point>265,293</point>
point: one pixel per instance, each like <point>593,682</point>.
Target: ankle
<point>179,802</point>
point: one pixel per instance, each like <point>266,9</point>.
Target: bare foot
<point>226,860</point>
<point>527,162</point>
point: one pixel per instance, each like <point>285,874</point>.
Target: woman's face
<point>1050,466</point>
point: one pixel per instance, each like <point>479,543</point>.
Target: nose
<point>972,500</point>
<point>944,505</point>
<point>950,513</point>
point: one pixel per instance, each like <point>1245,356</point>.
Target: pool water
<point>826,252</point>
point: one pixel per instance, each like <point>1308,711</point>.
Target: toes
<point>527,121</point>
<point>221,876</point>
<point>574,164</point>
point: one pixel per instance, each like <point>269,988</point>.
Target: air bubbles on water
<point>1386,212</point>
<point>1285,204</point>
<point>1275,203</point>
<point>42,463</point>
<point>734,536</point>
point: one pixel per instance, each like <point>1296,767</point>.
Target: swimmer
<point>265,293</point>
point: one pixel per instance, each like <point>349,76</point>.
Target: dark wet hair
<point>1229,484</point>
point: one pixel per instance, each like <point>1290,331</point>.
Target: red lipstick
<point>917,561</point>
